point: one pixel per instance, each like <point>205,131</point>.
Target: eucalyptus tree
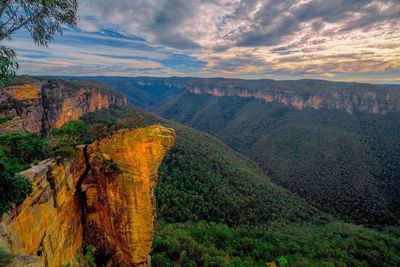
<point>41,18</point>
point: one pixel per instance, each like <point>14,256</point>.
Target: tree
<point>24,146</point>
<point>41,18</point>
<point>13,189</point>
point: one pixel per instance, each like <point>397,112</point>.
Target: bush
<point>23,145</point>
<point>72,134</point>
<point>13,189</point>
<point>5,257</point>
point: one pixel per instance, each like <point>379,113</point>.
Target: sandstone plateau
<point>299,94</point>
<point>41,105</point>
<point>103,198</point>
<point>370,101</point>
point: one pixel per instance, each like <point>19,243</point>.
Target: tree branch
<point>3,7</point>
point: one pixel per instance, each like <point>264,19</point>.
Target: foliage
<point>88,260</point>
<point>5,119</point>
<point>72,134</point>
<point>282,261</point>
<point>346,165</point>
<point>334,244</point>
<point>17,151</point>
<point>8,65</point>
<point>25,146</point>
<point>41,18</point>
<point>201,178</point>
<point>13,189</point>
<point>5,257</point>
<point>106,122</point>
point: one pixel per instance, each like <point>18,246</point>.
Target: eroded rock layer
<point>120,204</point>
<point>367,101</point>
<point>42,105</point>
<point>103,198</point>
<point>315,94</point>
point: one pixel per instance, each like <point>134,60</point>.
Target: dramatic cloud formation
<point>333,39</point>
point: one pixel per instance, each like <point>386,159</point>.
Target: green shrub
<point>23,145</point>
<point>5,257</point>
<point>13,189</point>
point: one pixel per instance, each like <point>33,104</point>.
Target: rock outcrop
<point>102,198</point>
<point>46,104</point>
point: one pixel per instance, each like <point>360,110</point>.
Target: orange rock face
<point>86,100</point>
<point>119,193</point>
<point>104,198</point>
<point>50,104</point>
<point>24,92</point>
<point>48,223</point>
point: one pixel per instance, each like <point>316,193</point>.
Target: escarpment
<point>41,105</point>
<point>103,198</point>
<point>368,101</point>
<point>299,94</point>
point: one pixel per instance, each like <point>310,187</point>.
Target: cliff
<point>40,105</point>
<point>370,99</point>
<point>315,94</point>
<point>102,198</point>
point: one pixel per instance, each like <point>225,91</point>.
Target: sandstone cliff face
<point>46,104</point>
<point>104,198</point>
<point>368,101</point>
<point>48,223</point>
<point>120,205</point>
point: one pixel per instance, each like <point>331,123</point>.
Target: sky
<point>349,40</point>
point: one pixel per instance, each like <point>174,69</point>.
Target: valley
<point>246,217</point>
<point>344,163</point>
<point>229,133</point>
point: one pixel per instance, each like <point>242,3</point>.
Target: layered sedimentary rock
<point>119,193</point>
<point>48,223</point>
<point>102,198</point>
<point>46,104</point>
<point>368,101</point>
<point>300,94</point>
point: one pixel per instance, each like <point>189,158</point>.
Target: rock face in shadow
<point>102,198</point>
<point>46,104</point>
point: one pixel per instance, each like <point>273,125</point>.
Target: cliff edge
<point>103,198</point>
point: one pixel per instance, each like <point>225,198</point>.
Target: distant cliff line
<point>349,97</point>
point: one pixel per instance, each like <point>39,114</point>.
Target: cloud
<point>275,19</point>
<point>78,53</point>
<point>237,38</point>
